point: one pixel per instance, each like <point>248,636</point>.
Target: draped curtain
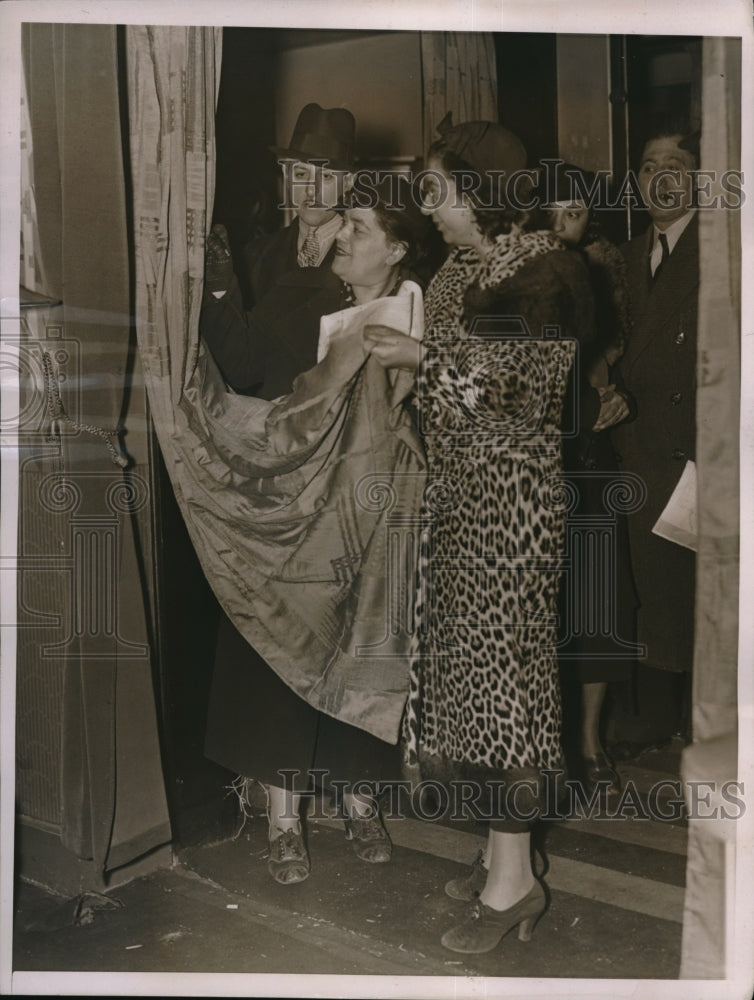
<point>84,664</point>
<point>283,500</point>
<point>459,75</point>
<point>713,754</point>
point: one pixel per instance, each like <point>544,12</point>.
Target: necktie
<point>308,255</point>
<point>663,242</point>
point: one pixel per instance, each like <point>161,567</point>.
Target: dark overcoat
<point>659,368</point>
<point>261,352</point>
<point>267,259</point>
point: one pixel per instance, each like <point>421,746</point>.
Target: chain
<point>57,414</point>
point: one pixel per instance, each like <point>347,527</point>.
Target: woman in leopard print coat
<point>503,318</point>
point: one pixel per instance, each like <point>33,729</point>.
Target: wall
<point>583,80</point>
<point>378,78</point>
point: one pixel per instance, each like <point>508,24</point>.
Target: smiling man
<point>659,368</point>
<point>316,167</point>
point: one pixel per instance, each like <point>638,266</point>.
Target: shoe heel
<point>526,927</point>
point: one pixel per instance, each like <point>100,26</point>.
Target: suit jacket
<point>659,368</point>
<point>262,351</point>
<point>269,258</point>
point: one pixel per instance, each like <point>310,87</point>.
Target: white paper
<point>677,523</point>
<point>403,312</point>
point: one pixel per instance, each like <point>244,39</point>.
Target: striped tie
<point>308,255</point>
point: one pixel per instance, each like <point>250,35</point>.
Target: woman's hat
<point>483,145</point>
<point>322,134</point>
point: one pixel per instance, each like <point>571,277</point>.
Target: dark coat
<point>270,258</point>
<point>598,609</point>
<point>261,352</point>
<point>659,368</point>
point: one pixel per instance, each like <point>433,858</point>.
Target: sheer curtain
<point>460,75</point>
<point>708,925</point>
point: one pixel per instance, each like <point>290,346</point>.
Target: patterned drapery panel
<point>460,75</point>
<point>173,79</point>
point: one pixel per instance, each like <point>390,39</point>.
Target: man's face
<point>665,181</point>
<point>315,191</point>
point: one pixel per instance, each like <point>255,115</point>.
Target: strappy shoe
<point>484,928</point>
<point>369,839</point>
<point>468,886</point>
<point>289,860</point>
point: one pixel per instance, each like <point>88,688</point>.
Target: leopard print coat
<point>501,334</point>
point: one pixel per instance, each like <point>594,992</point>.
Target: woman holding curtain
<point>258,727</point>
<point>501,319</point>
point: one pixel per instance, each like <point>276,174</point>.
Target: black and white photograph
<point>376,428</point>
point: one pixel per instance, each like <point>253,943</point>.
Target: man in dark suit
<point>289,272</point>
<point>659,368</point>
<point>317,169</point>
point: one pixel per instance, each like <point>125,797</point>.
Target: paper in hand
<point>403,312</point>
<point>678,523</point>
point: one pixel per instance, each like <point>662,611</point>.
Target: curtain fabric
<point>459,75</point>
<point>74,497</point>
<point>288,502</point>
<point>712,756</point>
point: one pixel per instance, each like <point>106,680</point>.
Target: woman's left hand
<point>613,408</point>
<point>391,348</point>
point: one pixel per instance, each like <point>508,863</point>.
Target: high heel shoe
<point>369,838</point>
<point>484,927</point>
<point>289,860</point>
<point>468,886</point>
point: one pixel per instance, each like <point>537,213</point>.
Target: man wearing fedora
<point>317,169</point>
<point>288,271</point>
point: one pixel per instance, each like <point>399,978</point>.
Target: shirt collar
<point>674,231</point>
<point>326,233</point>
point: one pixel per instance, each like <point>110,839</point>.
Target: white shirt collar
<point>674,231</point>
<point>326,233</point>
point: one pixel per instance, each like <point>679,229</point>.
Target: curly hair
<point>396,206</point>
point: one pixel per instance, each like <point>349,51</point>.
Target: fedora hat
<point>322,134</point>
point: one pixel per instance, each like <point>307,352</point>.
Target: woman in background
<point>484,702</point>
<point>599,658</point>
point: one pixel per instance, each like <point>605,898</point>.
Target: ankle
<point>279,825</point>
<point>503,897</point>
<point>360,808</point>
